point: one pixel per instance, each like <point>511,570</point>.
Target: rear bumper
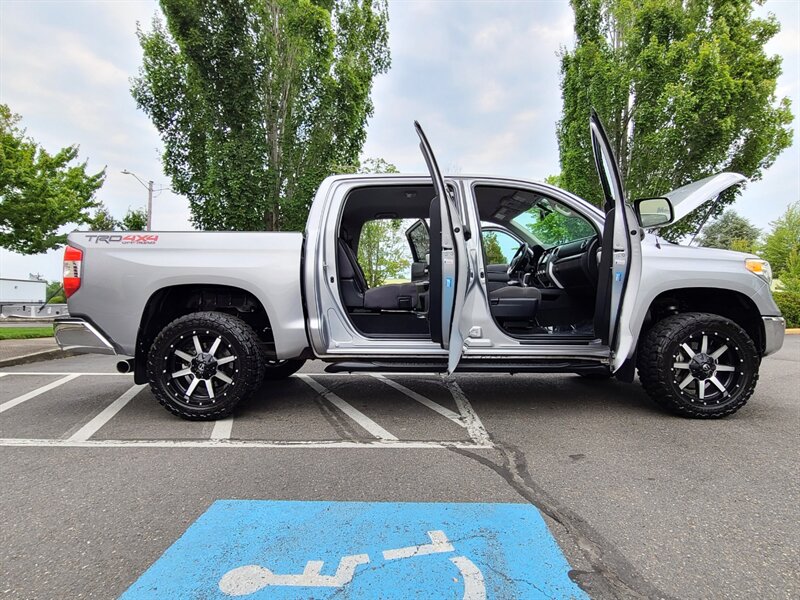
<point>774,330</point>
<point>80,336</point>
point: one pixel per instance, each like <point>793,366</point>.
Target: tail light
<point>72,270</point>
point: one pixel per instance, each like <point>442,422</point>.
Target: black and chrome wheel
<point>698,365</point>
<point>201,365</point>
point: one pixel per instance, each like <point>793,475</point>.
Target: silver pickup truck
<point>207,317</point>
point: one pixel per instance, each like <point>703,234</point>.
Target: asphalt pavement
<point>98,480</point>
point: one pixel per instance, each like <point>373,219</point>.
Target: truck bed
<point>122,270</point>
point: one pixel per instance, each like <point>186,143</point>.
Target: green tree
<point>135,220</point>
<point>103,220</point>
<point>790,275</point>
<point>257,100</point>
<point>383,251</point>
<point>492,250</point>
<point>39,192</point>
<point>54,293</point>
<point>730,231</point>
<point>684,88</point>
<point>783,241</point>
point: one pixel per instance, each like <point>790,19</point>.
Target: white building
<point>17,291</point>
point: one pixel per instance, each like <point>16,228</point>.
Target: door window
<point>498,246</point>
<point>383,252</point>
<point>420,241</point>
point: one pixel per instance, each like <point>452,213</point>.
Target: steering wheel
<point>520,259</point>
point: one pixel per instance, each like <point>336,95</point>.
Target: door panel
<point>620,262</point>
<point>448,262</point>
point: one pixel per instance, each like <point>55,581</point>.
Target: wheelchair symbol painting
<point>254,549</point>
<point>252,578</point>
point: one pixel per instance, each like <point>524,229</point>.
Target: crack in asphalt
<point>611,573</point>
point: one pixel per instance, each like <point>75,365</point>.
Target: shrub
<point>789,303</point>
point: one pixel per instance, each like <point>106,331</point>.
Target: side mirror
<point>653,212</point>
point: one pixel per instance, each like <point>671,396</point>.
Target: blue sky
<point>482,78</point>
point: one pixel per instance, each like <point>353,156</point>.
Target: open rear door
<point>621,258</point>
<point>448,262</point>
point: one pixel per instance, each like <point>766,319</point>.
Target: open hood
<point>689,197</point>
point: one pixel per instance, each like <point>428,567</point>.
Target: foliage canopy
<point>730,232</point>
<point>684,88</point>
<point>39,192</point>
<point>782,246</point>
<point>256,101</point>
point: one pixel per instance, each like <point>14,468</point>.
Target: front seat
<point>514,302</point>
<point>357,294</point>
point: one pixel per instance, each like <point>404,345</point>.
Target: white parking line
<point>54,373</point>
<point>475,427</point>
<point>386,444</point>
<point>348,409</point>
<point>41,390</point>
<point>442,410</point>
<point>222,429</point>
<point>105,415</point>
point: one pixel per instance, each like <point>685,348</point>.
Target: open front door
<point>448,262</point>
<point>621,258</point>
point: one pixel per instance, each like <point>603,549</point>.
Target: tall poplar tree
<point>256,101</point>
<point>684,88</point>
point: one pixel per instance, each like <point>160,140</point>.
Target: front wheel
<point>203,364</point>
<point>698,365</point>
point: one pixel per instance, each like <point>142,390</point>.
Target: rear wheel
<point>203,364</point>
<point>698,365</point>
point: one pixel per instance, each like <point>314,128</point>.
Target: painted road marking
<point>439,543</point>
<point>384,444</point>
<point>435,406</point>
<point>59,373</point>
<point>351,411</point>
<point>41,390</point>
<point>93,426</point>
<point>222,429</point>
<point>258,549</point>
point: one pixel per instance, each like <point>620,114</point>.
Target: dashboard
<point>569,266</point>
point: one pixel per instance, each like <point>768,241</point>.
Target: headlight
<point>759,267</point>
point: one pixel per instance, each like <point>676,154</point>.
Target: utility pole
<point>150,205</point>
<point>149,186</point>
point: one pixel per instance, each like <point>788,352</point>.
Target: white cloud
<point>482,78</point>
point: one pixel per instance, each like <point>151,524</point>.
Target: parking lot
<point>99,480</point>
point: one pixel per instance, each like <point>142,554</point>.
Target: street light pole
<point>150,205</point>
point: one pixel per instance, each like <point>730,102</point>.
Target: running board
<point>466,366</point>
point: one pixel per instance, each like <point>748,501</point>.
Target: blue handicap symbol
<point>256,549</point>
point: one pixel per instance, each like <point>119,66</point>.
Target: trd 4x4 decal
<point>123,239</point>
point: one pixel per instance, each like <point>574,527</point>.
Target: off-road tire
<point>236,339</point>
<point>281,369</point>
<point>660,352</point>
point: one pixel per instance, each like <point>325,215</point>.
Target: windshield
<point>551,223</point>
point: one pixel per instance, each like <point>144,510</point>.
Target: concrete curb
<point>36,357</point>
<point>793,331</point>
